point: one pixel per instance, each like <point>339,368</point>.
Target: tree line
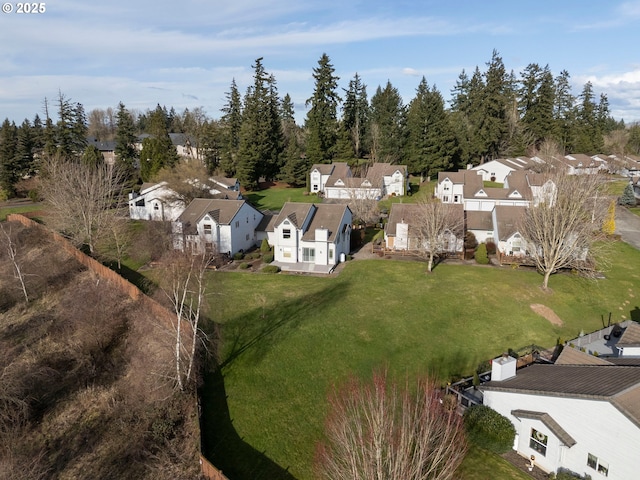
<point>492,113</point>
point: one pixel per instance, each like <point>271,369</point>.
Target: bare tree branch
<point>12,251</point>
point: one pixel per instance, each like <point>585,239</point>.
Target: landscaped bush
<point>488,429</point>
<point>267,257</point>
<point>491,248</point>
<point>270,269</point>
<point>564,474</point>
<point>243,266</point>
<point>264,246</point>
<point>238,256</point>
<point>470,241</point>
<point>481,254</point>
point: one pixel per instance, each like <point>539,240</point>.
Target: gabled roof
<point>549,422</point>
<point>400,213</point>
<point>630,337</point>
<point>478,220</point>
<point>323,168</point>
<point>573,356</point>
<point>221,211</point>
<point>381,169</point>
<point>180,139</point>
<point>102,145</point>
<point>461,177</point>
<point>328,216</point>
<point>508,218</point>
<point>295,212</point>
<point>340,171</point>
<point>226,181</point>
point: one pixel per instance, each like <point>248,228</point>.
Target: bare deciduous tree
<point>188,180</point>
<point>81,198</point>
<point>381,431</point>
<point>563,229</point>
<point>364,194</point>
<point>12,251</point>
<point>438,228</point>
<point>186,289</point>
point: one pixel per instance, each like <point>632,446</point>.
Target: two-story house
<point>216,225</point>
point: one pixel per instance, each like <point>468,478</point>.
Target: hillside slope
<point>83,385</point>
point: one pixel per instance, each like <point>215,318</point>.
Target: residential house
<point>450,186</point>
<point>481,225</point>
<point>216,225</point>
<point>310,237</point>
<point>106,147</point>
<point>224,184</point>
<point>336,181</point>
<point>581,413</point>
<point>400,233</point>
<point>496,170</point>
<point>579,163</point>
<point>506,223</point>
<point>186,147</point>
<point>155,201</point>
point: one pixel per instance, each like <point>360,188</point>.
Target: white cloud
<point>410,71</point>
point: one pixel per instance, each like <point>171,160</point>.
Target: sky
<point>185,53</point>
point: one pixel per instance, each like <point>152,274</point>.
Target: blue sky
<point>185,53</point>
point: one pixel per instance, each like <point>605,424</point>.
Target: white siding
<point>597,427</point>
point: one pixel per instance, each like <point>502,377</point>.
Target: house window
<point>286,233</point>
<point>538,442</point>
<point>456,198</point>
<point>308,254</point>
<point>445,198</point>
<point>247,237</point>
<point>208,247</point>
<point>598,465</point>
<point>237,224</point>
<point>517,243</point>
<point>446,187</point>
<point>315,188</point>
<point>207,228</point>
<point>156,206</point>
<point>331,254</point>
<point>286,253</point>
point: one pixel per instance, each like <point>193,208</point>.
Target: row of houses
<point>580,413</point>
<point>336,181</point>
<point>185,146</point>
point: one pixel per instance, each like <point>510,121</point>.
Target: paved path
<point>628,226</point>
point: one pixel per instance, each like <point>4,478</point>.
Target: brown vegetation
<point>84,389</point>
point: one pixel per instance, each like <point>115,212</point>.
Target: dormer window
<point>286,233</point>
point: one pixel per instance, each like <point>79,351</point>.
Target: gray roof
<point>478,220</point>
<point>326,216</point>
<point>380,169</point>
<point>573,356</point>
<point>102,145</point>
<point>631,336</point>
<point>549,422</point>
<point>222,211</point>
<point>400,213</point>
<point>508,218</point>
<point>295,212</point>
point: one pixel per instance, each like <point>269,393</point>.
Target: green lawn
<point>275,197</point>
<point>635,210</point>
<point>4,211</point>
<point>616,186</point>
<point>287,338</point>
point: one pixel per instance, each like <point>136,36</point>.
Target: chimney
<point>503,368</point>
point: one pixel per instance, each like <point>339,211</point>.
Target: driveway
<point>628,226</point>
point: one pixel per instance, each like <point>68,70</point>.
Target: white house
<point>400,234</point>
<point>496,170</point>
<point>506,222</point>
<point>217,225</point>
<point>310,237</point>
<point>155,201</point>
<point>336,181</point>
<point>582,413</point>
<point>450,186</point>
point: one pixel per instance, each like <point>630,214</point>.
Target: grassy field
<point>287,339</point>
<point>27,207</point>
<point>273,198</point>
<point>635,210</point>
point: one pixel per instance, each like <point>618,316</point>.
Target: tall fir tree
<point>25,149</point>
<point>564,112</point>
<point>322,123</point>
<point>125,150</point>
<point>387,127</point>
<point>355,115</point>
<point>295,165</point>
<point>64,127</point>
<point>431,143</point>
<point>157,150</point>
<point>260,133</point>
<point>536,103</point>
<point>9,172</point>
<point>231,125</point>
<point>492,126</point>
<point>589,138</point>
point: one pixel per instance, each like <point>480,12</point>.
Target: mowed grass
<point>286,339</point>
<point>26,208</point>
<point>275,197</point>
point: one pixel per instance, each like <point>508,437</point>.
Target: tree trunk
<point>545,281</point>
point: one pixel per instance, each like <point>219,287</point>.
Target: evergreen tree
<point>231,125</point>
<point>25,148</point>
<point>627,199</point>
<point>92,156</point>
<point>431,144</point>
<point>355,116</point>
<point>388,118</point>
<point>536,102</point>
<point>9,173</point>
<point>38,134</point>
<point>212,149</point>
<point>79,129</point>
<point>157,150</point>
<point>260,133</point>
<point>125,149</point>
<point>322,124</point>
<point>564,112</point>
<point>271,165</point>
<point>589,138</point>
<point>295,167</point>
<point>64,128</point>
<point>633,142</point>
<point>492,126</point>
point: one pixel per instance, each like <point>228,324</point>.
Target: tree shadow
<point>259,330</point>
<point>635,314</point>
<point>222,445</point>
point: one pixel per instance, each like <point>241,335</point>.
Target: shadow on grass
<point>253,335</point>
<point>259,330</point>
<point>222,445</point>
<point>139,280</point>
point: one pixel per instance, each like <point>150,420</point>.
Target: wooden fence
<point>208,470</point>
